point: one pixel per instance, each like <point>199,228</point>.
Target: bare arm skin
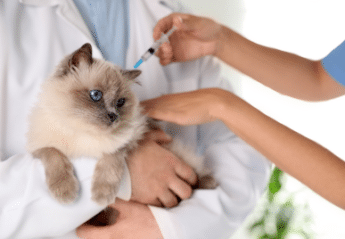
<point>295,154</point>
<point>157,177</point>
<point>135,221</point>
<point>286,73</point>
<point>283,72</point>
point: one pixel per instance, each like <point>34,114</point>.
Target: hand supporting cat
<point>86,108</point>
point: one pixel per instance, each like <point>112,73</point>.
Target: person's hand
<point>195,37</point>
<point>135,220</point>
<point>158,177</point>
<point>190,108</point>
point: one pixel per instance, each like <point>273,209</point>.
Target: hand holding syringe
<point>152,50</point>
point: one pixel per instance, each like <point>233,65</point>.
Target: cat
<point>86,108</point>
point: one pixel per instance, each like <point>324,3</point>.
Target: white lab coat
<point>34,36</point>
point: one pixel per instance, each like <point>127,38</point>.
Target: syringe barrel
<point>158,43</point>
<point>152,50</point>
<point>146,56</point>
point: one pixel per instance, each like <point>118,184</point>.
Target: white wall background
<point>309,28</point>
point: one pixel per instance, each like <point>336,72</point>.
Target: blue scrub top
<point>334,63</point>
<point>108,22</point>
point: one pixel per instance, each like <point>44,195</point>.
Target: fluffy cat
<point>86,108</point>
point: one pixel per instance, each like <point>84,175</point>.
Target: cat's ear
<point>131,74</point>
<point>82,55</point>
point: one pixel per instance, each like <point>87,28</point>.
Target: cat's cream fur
<point>66,124</point>
<point>54,121</point>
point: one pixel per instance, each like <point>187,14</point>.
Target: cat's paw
<point>207,182</point>
<point>104,193</point>
<point>65,189</point>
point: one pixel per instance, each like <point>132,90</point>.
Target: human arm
<point>302,158</point>
<point>284,72</point>
<point>135,220</point>
<point>157,175</point>
<point>218,213</point>
<point>240,170</point>
<point>164,177</point>
<point>27,207</point>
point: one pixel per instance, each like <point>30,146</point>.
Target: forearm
<point>27,210</point>
<point>284,72</point>
<point>302,158</point>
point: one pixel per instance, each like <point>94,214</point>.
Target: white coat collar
<point>68,10</point>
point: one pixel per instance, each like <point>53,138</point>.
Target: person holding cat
<point>35,36</point>
<point>286,73</point>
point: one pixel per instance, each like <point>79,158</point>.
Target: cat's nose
<point>112,117</point>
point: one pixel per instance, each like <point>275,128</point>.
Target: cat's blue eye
<point>120,102</point>
<point>95,95</point>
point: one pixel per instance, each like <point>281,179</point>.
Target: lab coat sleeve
<point>242,174</point>
<point>28,211</point>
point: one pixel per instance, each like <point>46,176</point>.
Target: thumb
<point>166,23</point>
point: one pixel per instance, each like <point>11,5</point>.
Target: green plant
<point>277,219</point>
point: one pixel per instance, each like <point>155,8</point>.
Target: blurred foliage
<point>277,219</point>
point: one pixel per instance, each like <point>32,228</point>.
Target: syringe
<point>155,46</point>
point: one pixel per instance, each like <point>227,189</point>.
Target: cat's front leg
<point>60,177</point>
<point>107,177</point>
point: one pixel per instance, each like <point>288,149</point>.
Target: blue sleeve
<point>334,63</point>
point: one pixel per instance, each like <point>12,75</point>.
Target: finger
<point>182,189</point>
<point>168,199</point>
<point>148,105</point>
<point>186,173</point>
<point>159,136</point>
<point>163,58</point>
<point>160,55</point>
<point>162,26</point>
<point>158,109</point>
<point>165,53</point>
<point>167,50</point>
<point>168,55</point>
<point>164,114</point>
<point>166,23</point>
<point>154,108</point>
<point>161,52</point>
<point>165,62</point>
<point>156,202</point>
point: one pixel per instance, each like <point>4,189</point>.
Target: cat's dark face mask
<point>101,95</point>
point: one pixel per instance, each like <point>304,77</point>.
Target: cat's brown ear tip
<point>136,73</point>
<point>87,47</point>
<point>83,54</point>
<point>130,74</point>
